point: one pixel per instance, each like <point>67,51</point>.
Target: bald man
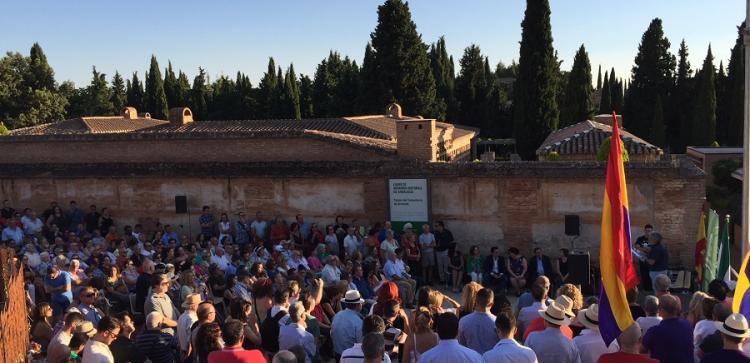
<point>630,343</point>
<point>672,340</point>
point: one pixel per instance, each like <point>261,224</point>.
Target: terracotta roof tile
<point>586,137</point>
<point>89,125</point>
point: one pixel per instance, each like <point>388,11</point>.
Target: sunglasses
<point>89,295</point>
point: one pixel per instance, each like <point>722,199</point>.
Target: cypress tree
<point>599,78</point>
<point>615,92</point>
<point>199,96</point>
<point>535,107</point>
<point>182,92</point>
<point>443,72</point>
<point>119,98</point>
<point>658,134</point>
<point>171,86</point>
<point>653,75</point>
<point>703,131</point>
<point>335,86</point>
<point>472,89</point>
<point>155,100</point>
<point>369,85</point>
<point>291,102</point>
<point>605,101</point>
<point>682,95</point>
<point>135,92</point>
<point>578,104</point>
<point>269,85</point>
<point>722,106</point>
<point>305,97</point>
<point>40,74</point>
<point>98,96</point>
<point>735,90</point>
<point>401,61</point>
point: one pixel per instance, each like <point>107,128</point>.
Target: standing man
<point>507,349</point>
<point>160,301</point>
<point>304,227</point>
<point>672,340</point>
<point>352,243</point>
<point>629,341</point>
<point>658,258</point>
<point>258,228</point>
<point>186,321</point>
<point>734,332</point>
<point>207,222</point>
<point>443,244</point>
<point>58,350</point>
<point>242,234</point>
<point>234,335</point>
<point>550,345</point>
<point>448,348</point>
<point>346,327</point>
<point>75,217</point>
<point>477,330</point>
<point>294,333</point>
<point>590,342</point>
<point>427,245</point>
<point>97,348</point>
<point>92,219</point>
<point>641,245</point>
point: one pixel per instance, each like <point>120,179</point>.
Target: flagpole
<point>746,136</point>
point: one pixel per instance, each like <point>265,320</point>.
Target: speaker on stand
<point>579,271</point>
<point>572,228</point>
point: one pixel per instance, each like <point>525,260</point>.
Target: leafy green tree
<point>401,62</point>
<point>443,73</point>
<point>603,153</point>
<point>98,96</point>
<point>578,104</point>
<point>535,107</point>
<point>335,86</point>
<point>40,74</point>
<point>682,97</point>
<point>291,103</point>
<point>134,90</point>
<point>155,100</point>
<point>119,98</point>
<point>199,96</point>
<point>652,77</point>
<point>735,91</point>
<point>703,131</point>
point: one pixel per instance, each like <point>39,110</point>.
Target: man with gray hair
<point>284,356</point>
<point>651,307</point>
<point>373,347</point>
<point>294,333</point>
<point>662,283</point>
<point>657,258</point>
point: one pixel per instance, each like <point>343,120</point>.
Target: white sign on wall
<point>408,200</point>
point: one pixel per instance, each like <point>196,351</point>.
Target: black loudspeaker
<point>579,270</point>
<point>180,204</point>
<point>572,225</point>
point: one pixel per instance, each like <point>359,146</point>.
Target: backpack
<point>269,331</point>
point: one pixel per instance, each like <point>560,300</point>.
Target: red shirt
<point>622,357</point>
<point>538,325</point>
<point>236,355</point>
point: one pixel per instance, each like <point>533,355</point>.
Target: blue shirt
<point>551,346</point>
<point>304,229</point>
<point>659,254</point>
<point>671,341</point>
<point>293,334</point>
<point>449,351</point>
<point>170,235</point>
<point>364,288</point>
<point>62,279</point>
<point>346,329</point>
<point>477,331</point>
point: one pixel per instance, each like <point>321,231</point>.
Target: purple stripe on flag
<point>747,273</point>
<point>745,305</point>
<point>607,323</point>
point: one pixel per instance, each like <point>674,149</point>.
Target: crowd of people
<point>252,290</point>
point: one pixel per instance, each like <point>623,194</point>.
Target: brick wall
<point>504,204</point>
<point>184,150</point>
<point>14,326</point>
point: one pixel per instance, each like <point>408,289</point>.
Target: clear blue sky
<point>226,36</point>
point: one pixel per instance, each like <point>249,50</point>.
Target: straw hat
<point>735,326</point>
<point>407,226</point>
<point>352,297</point>
<point>555,314</point>
<point>567,304</point>
<point>590,317</point>
<point>192,299</point>
<point>86,327</point>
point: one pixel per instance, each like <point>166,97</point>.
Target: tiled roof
<point>89,125</point>
<point>586,137</point>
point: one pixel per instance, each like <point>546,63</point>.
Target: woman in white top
<point>225,229</point>
<point>389,244</point>
<point>422,338</point>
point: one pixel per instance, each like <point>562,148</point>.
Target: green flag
<point>723,271</point>
<point>712,247</point>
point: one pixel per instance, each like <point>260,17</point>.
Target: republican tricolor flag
<point>615,257</point>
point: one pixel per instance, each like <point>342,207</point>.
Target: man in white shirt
<point>448,349</point>
<point>352,243</point>
<point>396,271</point>
<point>427,248</point>
<point>258,227</point>
<point>528,314</point>
<point>331,272</point>
<point>58,350</point>
<point>590,342</point>
<point>32,225</point>
<point>186,321</point>
<point>294,333</point>
<point>97,348</point>
<point>220,259</point>
<point>507,350</point>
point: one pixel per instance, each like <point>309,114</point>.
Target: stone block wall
<point>489,204</point>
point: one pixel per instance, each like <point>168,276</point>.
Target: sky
<point>226,36</point>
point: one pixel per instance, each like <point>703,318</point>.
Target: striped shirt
<point>157,346</point>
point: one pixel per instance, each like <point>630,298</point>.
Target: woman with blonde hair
<point>469,298</point>
<point>422,339</point>
<point>695,307</point>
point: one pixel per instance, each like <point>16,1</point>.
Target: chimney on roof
<point>607,119</point>
<point>129,113</point>
<point>393,110</point>
<point>180,115</point>
<point>144,115</point>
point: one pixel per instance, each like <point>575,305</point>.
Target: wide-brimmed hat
<point>735,325</point>
<point>86,327</point>
<point>352,297</point>
<point>192,299</point>
<point>590,317</point>
<point>555,314</point>
<point>407,226</point>
<point>567,304</point>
